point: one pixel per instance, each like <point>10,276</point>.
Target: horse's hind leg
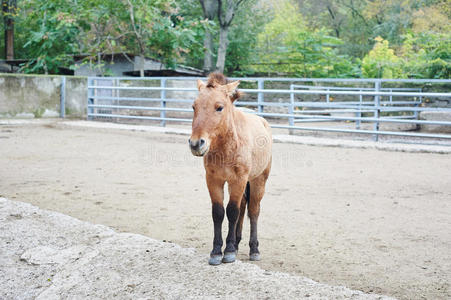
<point>257,190</point>
<point>239,225</point>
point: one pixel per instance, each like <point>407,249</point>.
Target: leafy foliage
<point>381,62</point>
<point>54,39</point>
<point>154,29</point>
<point>427,55</point>
<point>311,38</point>
<point>57,30</point>
<point>287,45</point>
<point>249,22</point>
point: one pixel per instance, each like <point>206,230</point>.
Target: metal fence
<point>368,103</point>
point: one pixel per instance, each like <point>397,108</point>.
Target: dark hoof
<point>254,257</point>
<point>229,257</point>
<point>215,259</point>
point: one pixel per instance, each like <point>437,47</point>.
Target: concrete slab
<point>436,116</point>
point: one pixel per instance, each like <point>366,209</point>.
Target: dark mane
<point>215,79</point>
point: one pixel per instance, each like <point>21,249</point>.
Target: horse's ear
<point>200,84</point>
<point>231,90</point>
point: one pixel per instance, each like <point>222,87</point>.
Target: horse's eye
<point>193,108</point>
<point>220,108</point>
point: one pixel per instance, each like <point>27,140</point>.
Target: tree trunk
<point>210,10</point>
<point>9,8</point>
<point>208,52</point>
<point>99,66</point>
<point>141,66</point>
<point>222,49</point>
<point>9,41</point>
<point>335,22</point>
<point>226,13</point>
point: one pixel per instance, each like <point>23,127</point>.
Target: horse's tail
<point>247,192</point>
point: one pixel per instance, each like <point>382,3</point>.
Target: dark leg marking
<point>254,254</point>
<point>253,242</point>
<point>247,192</point>
<point>233,213</point>
<point>218,217</point>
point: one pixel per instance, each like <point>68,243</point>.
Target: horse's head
<point>212,108</point>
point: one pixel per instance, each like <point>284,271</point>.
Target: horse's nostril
<point>193,144</point>
<point>202,142</point>
<point>189,141</point>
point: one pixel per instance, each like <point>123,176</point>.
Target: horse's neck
<point>228,139</point>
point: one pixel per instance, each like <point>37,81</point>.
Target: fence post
<point>291,110</point>
<point>116,95</point>
<point>89,110</point>
<point>260,99</point>
<point>359,112</point>
<point>163,101</point>
<point>415,114</point>
<point>377,103</point>
<point>328,96</point>
<point>63,97</point>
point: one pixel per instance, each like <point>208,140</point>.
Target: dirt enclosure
<point>370,220</point>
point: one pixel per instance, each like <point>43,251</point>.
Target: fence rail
<point>120,98</point>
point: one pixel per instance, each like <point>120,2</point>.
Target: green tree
<point>153,28</point>
<point>248,21</point>
<point>57,30</point>
<point>287,45</point>
<point>241,51</point>
<point>344,19</point>
<point>225,11</point>
<point>381,62</point>
<point>52,39</point>
<point>313,38</point>
<point>427,55</point>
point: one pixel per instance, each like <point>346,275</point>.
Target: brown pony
<point>237,149</point>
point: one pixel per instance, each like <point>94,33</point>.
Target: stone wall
<point>36,96</point>
<point>76,93</point>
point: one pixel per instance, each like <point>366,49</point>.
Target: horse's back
<point>258,133</point>
<point>257,124</point>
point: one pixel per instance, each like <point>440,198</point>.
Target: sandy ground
<point>370,220</point>
<point>48,255</point>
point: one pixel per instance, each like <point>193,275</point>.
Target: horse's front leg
<point>216,190</point>
<point>233,213</point>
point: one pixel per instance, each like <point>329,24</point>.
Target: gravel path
<point>48,255</point>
